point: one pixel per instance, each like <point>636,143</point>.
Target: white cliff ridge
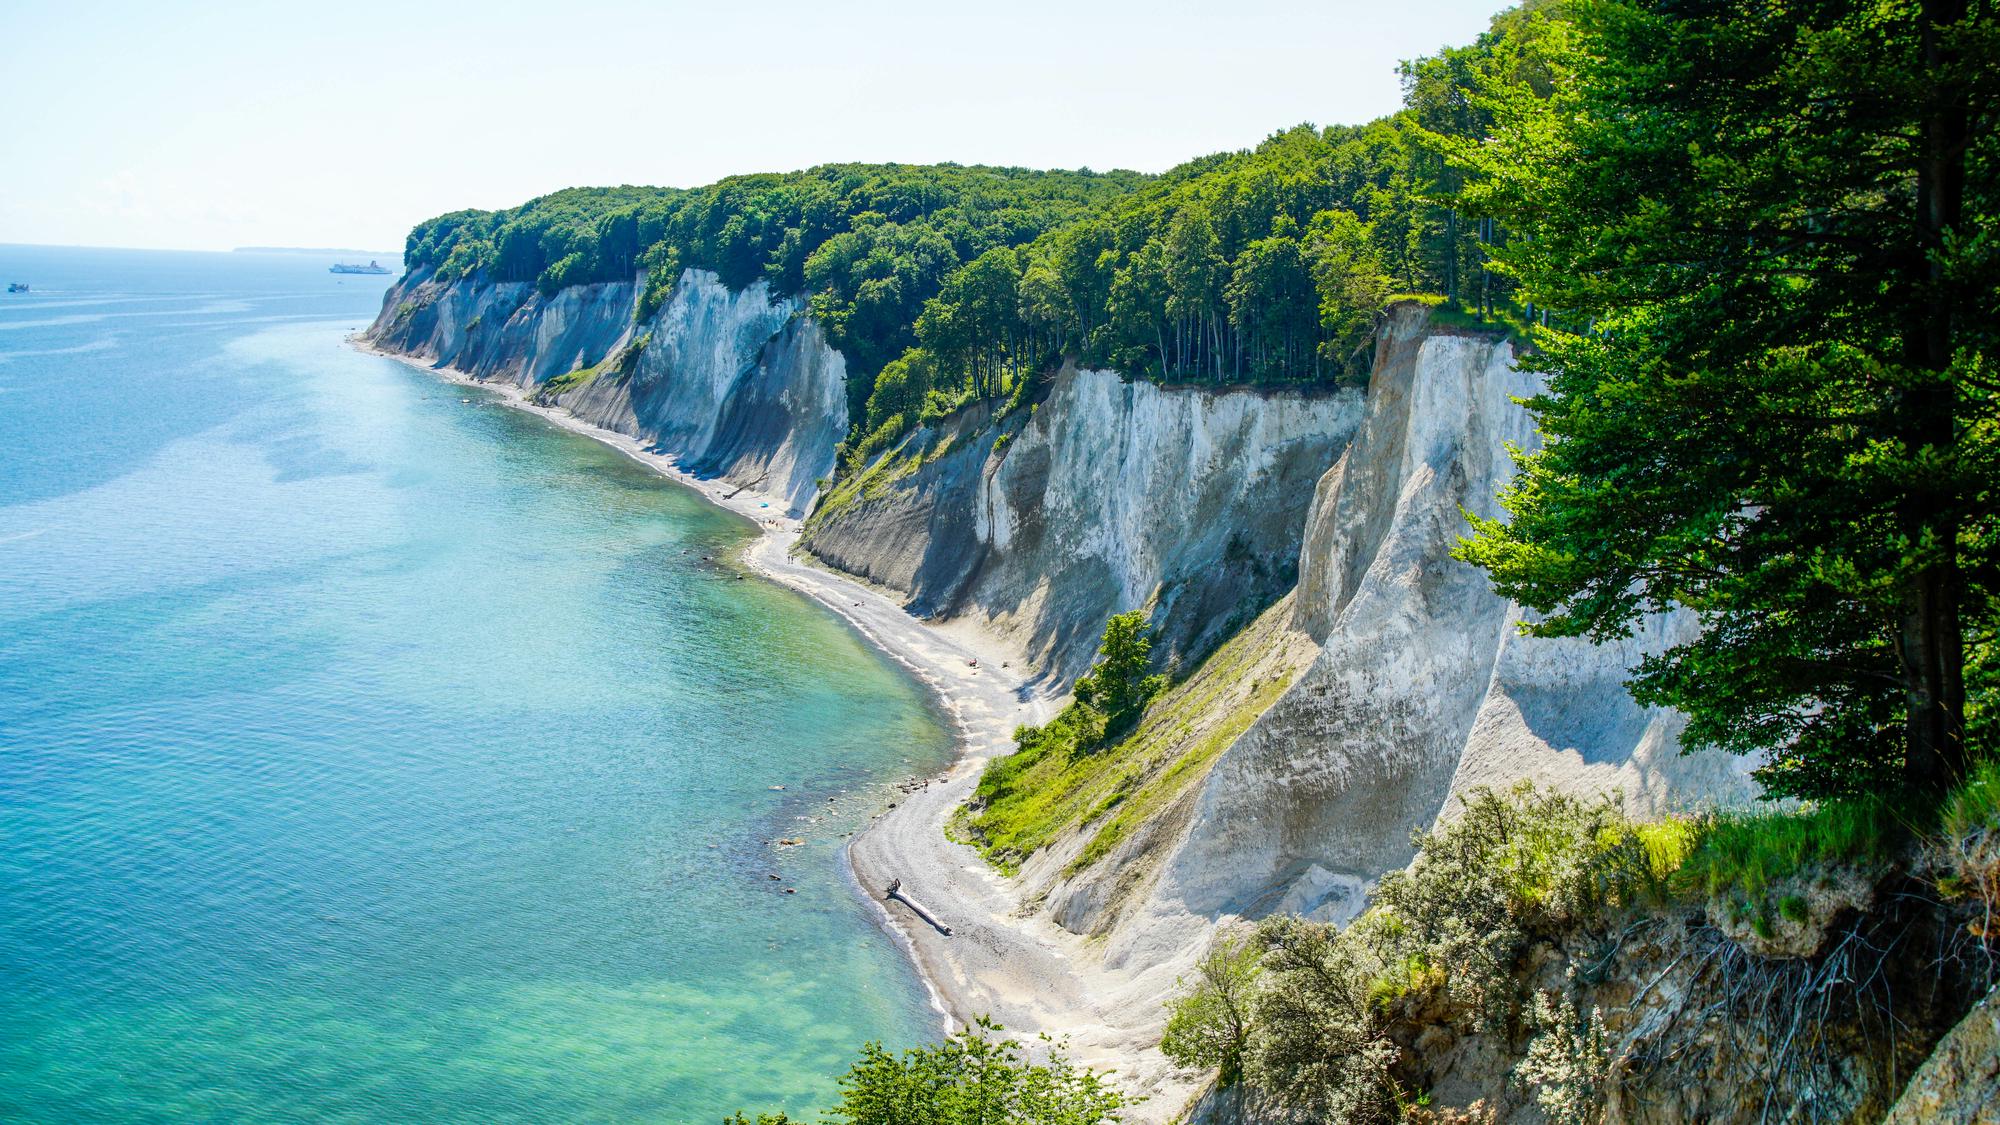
<point>1422,687</point>
<point>1112,495</point>
<point>732,385</point>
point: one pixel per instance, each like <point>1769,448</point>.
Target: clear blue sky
<point>212,125</point>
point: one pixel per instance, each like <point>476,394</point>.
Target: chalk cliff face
<point>1114,495</point>
<point>504,332</point>
<point>1421,687</point>
<point>736,385</point>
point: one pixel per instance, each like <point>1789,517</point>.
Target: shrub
<point>1567,1062</point>
<point>972,1078</point>
<point>628,356</point>
<point>1506,862</point>
<point>878,439</point>
<point>1209,1024</point>
<point>1109,698</point>
<point>1318,1049</point>
<point>1445,941</point>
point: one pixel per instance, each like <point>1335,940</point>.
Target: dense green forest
<point>947,284</point>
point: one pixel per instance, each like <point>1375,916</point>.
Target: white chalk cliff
<point>1421,687</point>
<point>734,384</point>
<point>1111,496</point>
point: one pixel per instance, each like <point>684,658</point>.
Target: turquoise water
<point>368,754</point>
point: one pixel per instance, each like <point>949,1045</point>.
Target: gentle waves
<point>369,754</point>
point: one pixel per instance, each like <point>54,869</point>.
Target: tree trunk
<point>1932,648</point>
<point>1931,644</point>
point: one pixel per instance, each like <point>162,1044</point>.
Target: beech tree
<point>1118,685</point>
<point>1763,237</point>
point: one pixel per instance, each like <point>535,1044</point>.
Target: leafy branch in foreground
<point>971,1078</point>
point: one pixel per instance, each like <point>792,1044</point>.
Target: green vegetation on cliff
<point>868,243</point>
<point>1069,774</point>
<point>1356,1023</point>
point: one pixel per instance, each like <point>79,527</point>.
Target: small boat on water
<point>373,266</point>
<point>22,286</point>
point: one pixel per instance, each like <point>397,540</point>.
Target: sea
<point>370,751</point>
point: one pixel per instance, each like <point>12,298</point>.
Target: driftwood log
<point>896,892</point>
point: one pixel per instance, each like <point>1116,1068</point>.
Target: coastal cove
<point>369,750</point>
<point>1030,976</point>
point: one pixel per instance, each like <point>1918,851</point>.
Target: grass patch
<point>1147,800</point>
<point>1975,806</point>
<point>1062,779</point>
<point>619,365</point>
<point>872,481</point>
<point>1504,319</point>
<point>566,382</point>
<point>1741,855</point>
<point>1968,846</point>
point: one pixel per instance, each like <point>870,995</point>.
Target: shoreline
<point>1022,971</point>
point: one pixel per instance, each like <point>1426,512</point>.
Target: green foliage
<point>557,386</point>
<point>1208,1024</point>
<point>1266,265</point>
<point>1444,940</point>
<point>1109,700</point>
<point>972,1078</point>
<point>1049,786</point>
<point>1447,940</point>
<point>1012,816</point>
<point>1766,235</point>
<point>1968,846</point>
<point>1270,264</point>
<point>1120,683</point>
<point>1319,1048</point>
<point>617,366</point>
<point>1504,864</point>
<point>866,244</point>
<point>1975,806</point>
<point>1443,937</point>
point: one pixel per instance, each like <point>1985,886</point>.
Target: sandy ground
<point>999,961</point>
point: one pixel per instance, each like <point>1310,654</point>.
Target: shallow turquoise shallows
<point>371,754</point>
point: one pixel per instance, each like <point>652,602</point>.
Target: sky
<point>211,125</point>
